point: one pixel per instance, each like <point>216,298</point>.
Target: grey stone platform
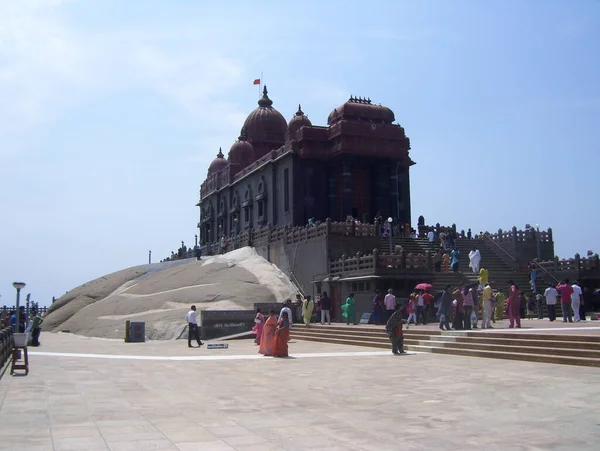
<point>92,394</point>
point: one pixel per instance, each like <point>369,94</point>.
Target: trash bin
<point>20,339</point>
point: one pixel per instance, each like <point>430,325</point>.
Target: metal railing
<point>537,265</point>
<point>513,259</point>
<point>6,346</point>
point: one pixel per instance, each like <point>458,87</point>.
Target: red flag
<point>256,82</point>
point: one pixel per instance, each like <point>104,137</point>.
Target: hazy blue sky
<point>110,112</point>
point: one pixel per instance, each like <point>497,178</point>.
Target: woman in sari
<point>267,339</point>
<point>259,323</point>
<point>307,310</point>
<point>513,306</point>
<point>282,336</point>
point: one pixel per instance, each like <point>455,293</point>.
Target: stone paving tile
<point>351,402</point>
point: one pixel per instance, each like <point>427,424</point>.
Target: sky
<point>111,111</point>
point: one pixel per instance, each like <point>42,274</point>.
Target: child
<point>394,330</point>
<point>411,309</point>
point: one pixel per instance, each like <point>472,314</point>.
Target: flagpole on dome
<point>261,85</point>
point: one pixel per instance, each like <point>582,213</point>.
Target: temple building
<point>279,173</point>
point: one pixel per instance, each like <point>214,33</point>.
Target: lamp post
<point>149,257</point>
<point>18,286</point>
<point>195,240</point>
<point>390,220</point>
<point>539,248</point>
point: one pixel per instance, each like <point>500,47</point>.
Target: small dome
<point>357,108</point>
<point>297,122</point>
<point>241,152</point>
<point>218,163</point>
<point>265,126</point>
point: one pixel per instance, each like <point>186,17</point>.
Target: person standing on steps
<point>566,290</point>
<point>286,309</point>
<point>390,304</point>
<point>467,308</point>
<point>474,260</point>
<point>437,260</point>
<point>513,306</point>
<point>325,302</point>
<point>551,296</point>
<point>457,324</point>
<point>532,278</point>
<point>487,307</point>
<point>483,278</point>
<point>455,255</point>
<point>444,309</point>
<point>377,304</point>
<point>393,327</point>
<point>349,310</point>
<point>193,331</point>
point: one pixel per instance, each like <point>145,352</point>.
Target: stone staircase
<point>568,349</point>
<point>500,272</point>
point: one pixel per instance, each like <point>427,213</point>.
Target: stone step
<point>510,353</point>
<point>479,339</point>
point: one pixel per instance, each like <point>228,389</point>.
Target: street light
<point>18,286</point>
<point>390,220</point>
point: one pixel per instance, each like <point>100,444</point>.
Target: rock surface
<point>160,294</point>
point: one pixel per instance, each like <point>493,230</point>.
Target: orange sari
<point>267,338</point>
<point>282,336</point>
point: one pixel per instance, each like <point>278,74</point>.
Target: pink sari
<point>268,336</point>
<point>258,327</point>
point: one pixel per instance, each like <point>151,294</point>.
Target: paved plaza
<point>97,394</point>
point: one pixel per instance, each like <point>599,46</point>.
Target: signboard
<point>216,324</point>
<point>137,332</point>
<point>217,346</point>
<point>365,318</point>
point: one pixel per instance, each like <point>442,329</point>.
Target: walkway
<point>94,394</point>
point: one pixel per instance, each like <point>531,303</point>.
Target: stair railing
<point>537,264</point>
<point>513,259</point>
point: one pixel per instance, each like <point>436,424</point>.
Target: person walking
<point>487,307</point>
<point>421,308</point>
<point>428,300</point>
<point>393,327</point>
<point>267,341</point>
<point>349,310</point>
<point>483,278</point>
<point>287,310</point>
<point>551,296</point>
<point>377,303</point>
<point>565,290</point>
<point>444,309</point>
<point>455,255</point>
<point>259,324</point>
<point>474,260</point>
<point>576,299</point>
<point>282,336</point>
<point>193,330</point>
<point>513,306</point>
<point>390,304</point>
<point>325,302</point>
<point>411,309</point>
<point>437,261</point>
<point>307,310</point>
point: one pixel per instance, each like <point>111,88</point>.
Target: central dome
<point>357,108</point>
<point>265,126</point>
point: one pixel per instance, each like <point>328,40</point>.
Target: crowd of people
<point>31,324</point>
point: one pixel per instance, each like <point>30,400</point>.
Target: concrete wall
<point>304,260</point>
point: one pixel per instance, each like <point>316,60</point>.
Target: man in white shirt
<point>286,308</point>
<point>551,295</point>
<point>430,236</point>
<point>193,331</point>
<point>576,300</point>
<point>390,304</point>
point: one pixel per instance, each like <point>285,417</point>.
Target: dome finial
<point>243,135</point>
<point>299,112</point>
<point>265,101</point>
<point>220,154</point>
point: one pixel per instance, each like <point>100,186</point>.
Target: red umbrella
<point>424,286</point>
